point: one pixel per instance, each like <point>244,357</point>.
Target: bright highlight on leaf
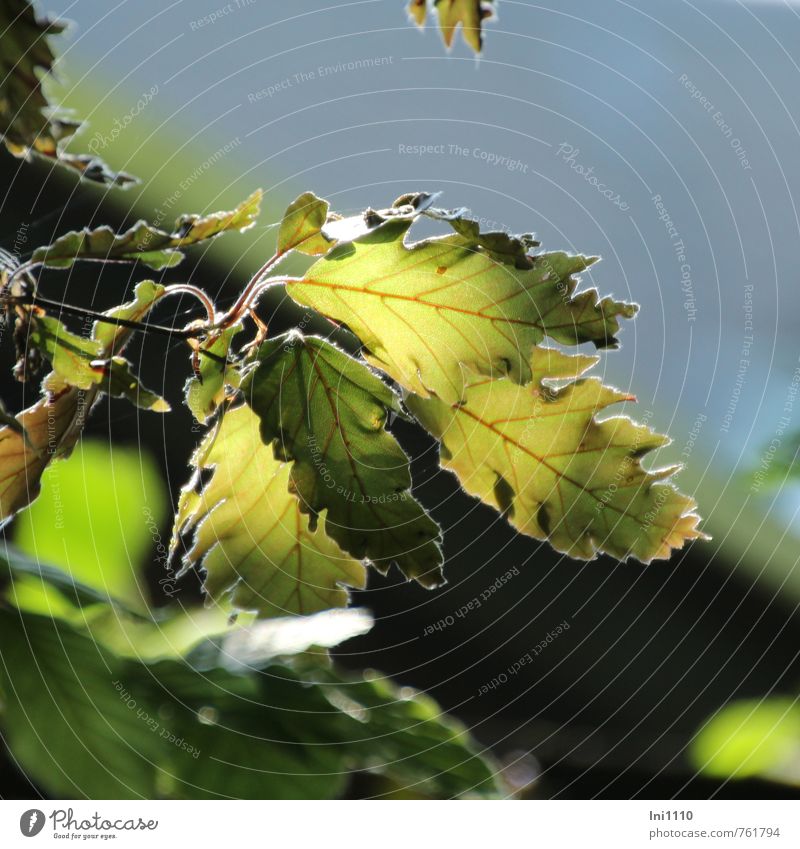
<point>425,310</point>
<point>326,413</point>
<point>539,455</point>
<point>251,538</point>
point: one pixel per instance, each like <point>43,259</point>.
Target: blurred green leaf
<point>15,566</point>
<point>28,123</point>
<point>95,516</point>
<point>751,738</point>
<point>84,722</point>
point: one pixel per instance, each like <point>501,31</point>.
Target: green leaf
<point>205,392</point>
<point>499,245</point>
<point>538,454</point>
<point>250,536</point>
<point>427,310</point>
<point>28,123</point>
<point>16,566</point>
<point>119,381</point>
<point>468,14</point>
<point>53,424</point>
<point>70,355</point>
<point>749,738</point>
<point>86,723</point>
<point>301,227</point>
<point>326,414</point>
<point>62,717</point>
<point>96,519</point>
<point>144,243</point>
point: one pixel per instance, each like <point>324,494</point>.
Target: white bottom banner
<point>402,824</point>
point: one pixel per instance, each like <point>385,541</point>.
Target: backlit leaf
<point>326,413</point>
<point>70,355</point>
<point>301,227</point>
<point>538,454</point>
<point>147,244</point>
<point>53,424</point>
<point>119,381</point>
<point>468,14</point>
<point>426,310</point>
<point>206,391</point>
<point>250,535</point>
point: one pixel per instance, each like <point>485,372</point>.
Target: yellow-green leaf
<point>50,428</point>
<point>70,355</point>
<point>426,310</point>
<point>301,227</point>
<point>206,391</point>
<point>326,413</point>
<point>468,14</point>
<point>539,455</point>
<point>145,243</point>
<point>251,537</point>
<point>119,381</point>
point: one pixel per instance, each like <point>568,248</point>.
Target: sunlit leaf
<point>206,391</point>
<point>250,535</point>
<point>426,310</point>
<point>418,11</point>
<point>145,243</point>
<point>53,424</point>
<point>28,124</point>
<point>70,355</point>
<point>326,413</point>
<point>301,227</point>
<point>120,382</point>
<point>467,14</point>
<point>539,455</point>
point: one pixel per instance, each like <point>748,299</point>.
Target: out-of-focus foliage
<point>751,738</point>
<point>83,721</point>
<point>28,122</point>
<point>95,517</point>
